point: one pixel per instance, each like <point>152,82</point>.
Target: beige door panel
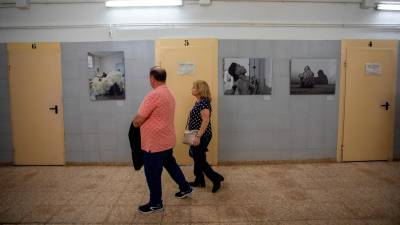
<point>185,62</point>
<point>367,129</point>
<point>35,86</point>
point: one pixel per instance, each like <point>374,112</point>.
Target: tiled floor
<point>290,194</point>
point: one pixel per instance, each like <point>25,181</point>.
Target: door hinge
<point>345,64</point>
<point>9,68</point>
<point>341,149</point>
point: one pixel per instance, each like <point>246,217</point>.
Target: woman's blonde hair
<point>203,89</point>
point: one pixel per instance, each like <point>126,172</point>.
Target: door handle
<point>55,108</point>
<point>386,105</point>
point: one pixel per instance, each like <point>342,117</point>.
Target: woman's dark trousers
<point>201,166</point>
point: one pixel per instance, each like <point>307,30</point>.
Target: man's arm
<point>138,120</point>
<point>147,106</point>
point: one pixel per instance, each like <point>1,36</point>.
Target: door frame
<point>345,44</point>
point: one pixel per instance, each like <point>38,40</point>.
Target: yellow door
<point>185,62</point>
<point>369,99</point>
<point>35,88</point>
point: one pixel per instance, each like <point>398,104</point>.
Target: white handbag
<point>189,136</point>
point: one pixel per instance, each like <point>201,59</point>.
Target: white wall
<point>110,62</point>
<point>223,19</point>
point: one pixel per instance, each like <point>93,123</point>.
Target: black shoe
<point>184,194</point>
<point>147,209</point>
<point>197,184</point>
<point>217,184</point>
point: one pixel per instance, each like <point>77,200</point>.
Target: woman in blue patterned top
<point>199,119</point>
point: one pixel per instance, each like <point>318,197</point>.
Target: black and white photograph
<point>313,76</point>
<point>107,75</point>
<point>247,76</point>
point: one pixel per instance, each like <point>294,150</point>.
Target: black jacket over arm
<point>136,148</point>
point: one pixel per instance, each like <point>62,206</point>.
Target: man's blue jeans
<point>153,166</point>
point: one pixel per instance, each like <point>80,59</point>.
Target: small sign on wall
<point>373,69</point>
<point>185,68</point>
<point>330,97</point>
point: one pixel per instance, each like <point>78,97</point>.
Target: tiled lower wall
<point>285,127</point>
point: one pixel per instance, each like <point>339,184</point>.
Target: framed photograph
<point>247,76</point>
<point>107,75</point>
<point>313,76</point>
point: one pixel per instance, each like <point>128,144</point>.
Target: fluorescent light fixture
<point>388,6</point>
<point>143,3</point>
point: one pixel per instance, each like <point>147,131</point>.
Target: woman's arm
<point>205,120</point>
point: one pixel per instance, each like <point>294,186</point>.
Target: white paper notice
<point>330,97</point>
<point>185,68</point>
<point>373,69</point>
<point>267,97</point>
<point>120,103</point>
